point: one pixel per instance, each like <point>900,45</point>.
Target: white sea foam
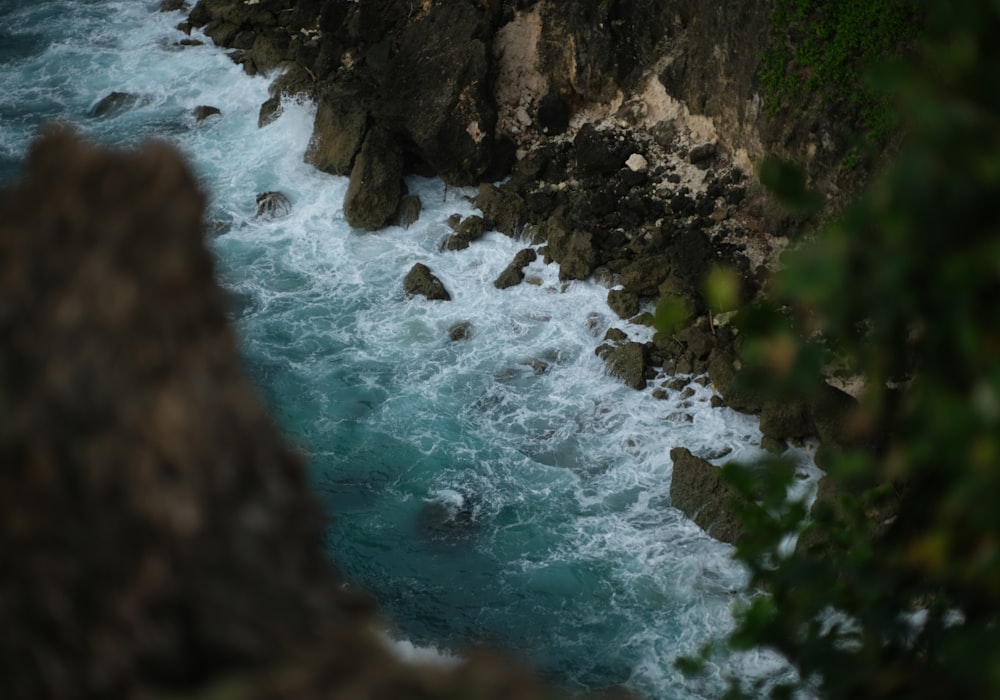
<point>577,559</point>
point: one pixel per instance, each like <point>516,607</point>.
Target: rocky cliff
<point>625,135</point>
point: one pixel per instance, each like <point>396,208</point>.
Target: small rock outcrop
<point>698,490</point>
<point>113,104</point>
<point>376,183</point>
<point>203,112</point>
<point>625,361</point>
<point>513,274</point>
<point>420,281</point>
<point>273,205</point>
<point>466,231</point>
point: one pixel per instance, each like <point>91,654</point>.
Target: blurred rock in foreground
<point>156,534</point>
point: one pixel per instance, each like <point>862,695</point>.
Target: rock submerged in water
<point>460,331</point>
<point>420,281</point>
<point>514,273</point>
<point>113,104</point>
<point>203,112</point>
<point>272,205</point>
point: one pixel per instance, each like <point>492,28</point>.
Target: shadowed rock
<point>376,182</point>
<point>156,527</point>
<point>269,112</point>
<point>272,205</point>
<point>698,490</point>
<point>203,112</point>
<point>408,211</point>
<point>514,273</point>
<point>421,281</point>
<point>113,104</point>
<point>626,362</point>
<point>157,535</point>
<point>338,131</point>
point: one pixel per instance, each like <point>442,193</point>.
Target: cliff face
<point>435,74</point>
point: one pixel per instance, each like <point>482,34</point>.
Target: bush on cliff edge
<point>894,588</point>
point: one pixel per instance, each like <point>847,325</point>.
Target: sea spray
<point>497,489</point>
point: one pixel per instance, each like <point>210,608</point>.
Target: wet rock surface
<point>420,281</point>
<point>698,490</point>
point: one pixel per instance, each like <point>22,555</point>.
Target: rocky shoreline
<point>614,139</point>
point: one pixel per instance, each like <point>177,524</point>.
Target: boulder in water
<point>466,230</point>
<point>698,490</point>
<point>514,273</point>
<point>273,205</point>
<point>112,104</point>
<point>173,5</point>
<point>376,183</point>
<point>203,112</point>
<point>460,331</point>
<point>449,515</point>
<point>339,131</point>
<point>626,361</point>
<point>270,110</point>
<point>421,281</point>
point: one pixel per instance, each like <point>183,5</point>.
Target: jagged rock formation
<point>420,281</point>
<point>629,130</point>
<point>157,535</point>
<point>698,490</point>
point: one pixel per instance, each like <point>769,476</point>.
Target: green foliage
<point>672,312</point>
<point>828,48</point>
<point>904,289</point>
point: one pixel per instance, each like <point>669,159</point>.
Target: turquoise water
<point>498,490</point>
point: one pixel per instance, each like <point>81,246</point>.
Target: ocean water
<point>498,490</point>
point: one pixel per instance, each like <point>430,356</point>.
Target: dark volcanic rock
<point>600,152</point>
<point>113,103</point>
<point>698,490</point>
<point>203,112</point>
<point>786,419</point>
<point>502,208</point>
<point>572,249</point>
<point>270,110</point>
<point>408,211</point>
<point>728,381</point>
<point>623,302</point>
<point>435,88</point>
<point>172,5</point>
<point>272,205</point>
<point>626,362</point>
<point>338,131</point>
<point>460,331</point>
<point>514,273</point>
<point>376,182</point>
<point>466,230</point>
<point>421,281</point>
